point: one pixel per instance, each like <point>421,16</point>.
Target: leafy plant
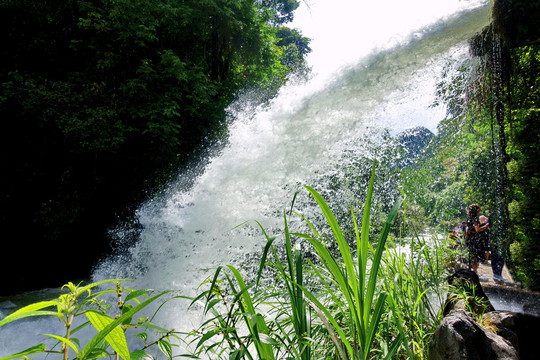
<point>475,303</point>
<point>352,280</point>
<point>413,275</point>
<point>344,306</point>
<point>80,301</point>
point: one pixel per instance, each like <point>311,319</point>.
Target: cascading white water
<point>379,72</point>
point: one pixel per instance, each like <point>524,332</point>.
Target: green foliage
<point>487,153</point>
<point>415,279</point>
<point>455,171</point>
<point>362,303</point>
<point>523,152</point>
<point>103,101</point>
<point>359,303</point>
<point>518,21</point>
<point>80,301</point>
<point>352,280</point>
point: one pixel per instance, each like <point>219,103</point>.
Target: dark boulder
<point>521,330</point>
<point>459,337</point>
<point>498,335</point>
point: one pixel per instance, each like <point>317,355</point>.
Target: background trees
<point>488,148</point>
<point>524,171</point>
<point>102,101</point>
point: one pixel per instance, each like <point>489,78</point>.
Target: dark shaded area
<point>517,21</point>
<point>102,102</point>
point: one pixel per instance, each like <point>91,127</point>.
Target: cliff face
<point>412,141</point>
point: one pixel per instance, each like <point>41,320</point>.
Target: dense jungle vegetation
<point>487,149</point>
<point>102,101</point>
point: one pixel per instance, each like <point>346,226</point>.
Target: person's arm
<point>480,228</point>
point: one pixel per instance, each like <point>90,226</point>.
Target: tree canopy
<point>102,101</point>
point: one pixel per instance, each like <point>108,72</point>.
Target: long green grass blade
<point>364,234</point>
<point>269,241</point>
<point>344,339</point>
<point>394,348</point>
<point>288,248</point>
<point>374,323</point>
<point>399,323</point>
<point>254,321</point>
<point>377,258</point>
<point>338,234</point>
<point>334,269</point>
<point>362,255</point>
<point>330,330</point>
<point>23,354</point>
<point>211,292</point>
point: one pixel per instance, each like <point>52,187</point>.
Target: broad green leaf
<point>99,351</point>
<point>135,294</point>
<point>34,307</point>
<point>143,336</point>
<point>141,355</point>
<point>101,335</point>
<point>268,340</point>
<point>165,348</point>
<point>19,315</point>
<point>125,309</point>
<point>116,337</point>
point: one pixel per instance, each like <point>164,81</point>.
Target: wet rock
<point>473,299</point>
<point>521,330</point>
<point>459,337</point>
<point>499,335</point>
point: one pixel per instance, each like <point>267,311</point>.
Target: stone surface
<point>521,330</point>
<point>499,335</point>
<point>459,337</point>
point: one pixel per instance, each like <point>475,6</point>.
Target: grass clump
<point>358,303</point>
<point>373,301</point>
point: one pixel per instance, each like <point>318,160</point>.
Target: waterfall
<point>374,71</point>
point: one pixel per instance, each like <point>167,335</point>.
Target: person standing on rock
<point>475,241</point>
